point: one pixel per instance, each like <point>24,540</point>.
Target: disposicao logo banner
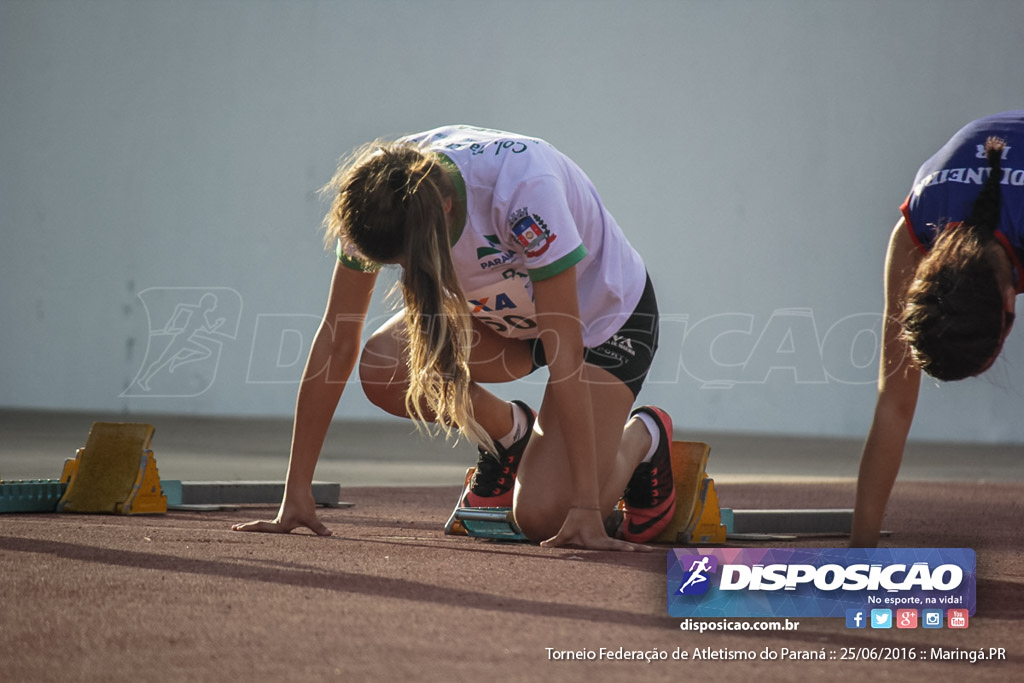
<point>817,582</point>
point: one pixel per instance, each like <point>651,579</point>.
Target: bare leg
<point>544,485</point>
<point>383,372</point>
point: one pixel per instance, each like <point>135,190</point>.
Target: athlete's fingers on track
<point>635,547</point>
<point>265,527</point>
<point>319,529</point>
<point>272,527</point>
<point>605,543</point>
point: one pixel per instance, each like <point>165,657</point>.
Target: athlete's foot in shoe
<point>650,498</point>
<point>472,500</point>
<point>584,528</point>
<point>289,517</point>
<point>495,475</point>
<point>491,484</point>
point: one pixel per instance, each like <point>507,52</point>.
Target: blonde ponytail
<point>389,202</point>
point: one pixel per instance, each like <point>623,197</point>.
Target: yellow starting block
<point>698,517</point>
<point>705,527</point>
<point>114,473</point>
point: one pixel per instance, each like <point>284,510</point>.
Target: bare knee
<point>536,527</point>
<point>538,519</point>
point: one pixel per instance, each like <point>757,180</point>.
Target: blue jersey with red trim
<point>947,184</point>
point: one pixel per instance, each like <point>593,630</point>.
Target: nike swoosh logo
<point>644,526</point>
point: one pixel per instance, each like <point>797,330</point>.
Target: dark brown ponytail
<point>985,211</point>
<point>953,317</point>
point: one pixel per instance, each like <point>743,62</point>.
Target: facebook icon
<point>856,618</point>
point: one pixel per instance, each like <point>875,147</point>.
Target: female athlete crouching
<point>509,261</point>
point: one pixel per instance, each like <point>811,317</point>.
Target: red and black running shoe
<point>650,496</point>
<point>495,475</point>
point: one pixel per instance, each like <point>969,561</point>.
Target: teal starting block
<point>494,523</point>
<point>31,495</point>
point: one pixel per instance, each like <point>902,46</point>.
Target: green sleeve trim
<point>354,263</point>
<point>562,264</point>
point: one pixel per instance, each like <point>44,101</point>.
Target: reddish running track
<point>180,597</point>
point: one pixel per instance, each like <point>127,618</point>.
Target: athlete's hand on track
<point>290,516</point>
<point>584,528</point>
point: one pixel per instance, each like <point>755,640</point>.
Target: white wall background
<point>756,152</point>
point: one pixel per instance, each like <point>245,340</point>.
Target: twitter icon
<point>881,618</point>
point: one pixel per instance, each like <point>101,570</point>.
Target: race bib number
<point>506,307</point>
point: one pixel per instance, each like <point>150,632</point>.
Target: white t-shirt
<point>531,214</point>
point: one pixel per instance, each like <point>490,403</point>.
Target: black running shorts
<point>628,353</point>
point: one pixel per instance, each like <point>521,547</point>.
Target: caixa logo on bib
<point>823,582</point>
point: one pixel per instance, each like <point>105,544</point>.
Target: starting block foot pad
<point>696,499</point>
<point>454,525</point>
<point>705,527</point>
<point>114,473</point>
